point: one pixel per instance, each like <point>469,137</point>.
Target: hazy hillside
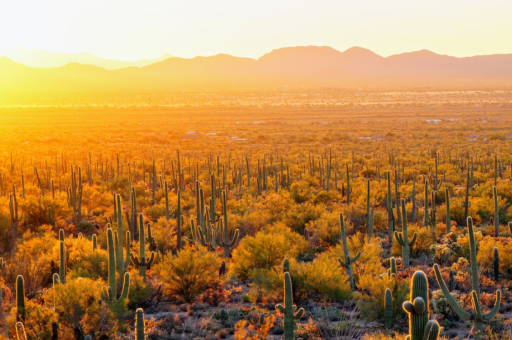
<point>307,66</point>
<point>46,59</point>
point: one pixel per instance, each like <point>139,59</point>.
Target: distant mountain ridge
<point>303,66</point>
<point>46,59</point>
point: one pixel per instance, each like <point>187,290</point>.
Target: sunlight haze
<point>132,30</point>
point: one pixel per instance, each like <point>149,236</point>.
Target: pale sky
<point>131,30</point>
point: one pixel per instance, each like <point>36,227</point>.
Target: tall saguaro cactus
<point>140,261</point>
<point>477,316</point>
<point>403,238</point>
<point>347,260</point>
<point>20,298</point>
<point>388,309</point>
<point>289,308</point>
<point>496,213</point>
<point>391,217</point>
<point>226,242</point>
<point>417,307</point>
<point>139,325</point>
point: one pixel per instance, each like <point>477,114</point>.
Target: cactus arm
<point>298,315</point>
<point>399,238</point>
<point>496,307</point>
<point>134,260</point>
<point>151,259</point>
<point>235,239</point>
<point>413,239</point>
<point>126,287</point>
<point>477,307</point>
<point>128,250</point>
<point>280,308</point>
<point>342,263</point>
<point>355,257</point>
<point>451,300</point>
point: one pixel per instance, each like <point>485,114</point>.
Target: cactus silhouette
<point>477,316</point>
<point>347,260</point>
<point>388,310</point>
<point>289,308</point>
<point>403,238</point>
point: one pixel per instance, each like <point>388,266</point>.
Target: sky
<point>132,30</point>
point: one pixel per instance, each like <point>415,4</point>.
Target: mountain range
<point>304,66</point>
<point>41,58</point>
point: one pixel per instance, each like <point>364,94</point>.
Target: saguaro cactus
<point>289,308</point>
<point>496,213</point>
<point>13,209</point>
<point>403,238</point>
<point>140,261</point>
<point>477,316</point>
<point>20,298</point>
<point>391,222</point>
<point>388,310</point>
<point>139,325</point>
<point>347,261</point>
<point>226,242</point>
<point>20,331</point>
<point>62,263</point>
<point>448,219</point>
<point>496,264</point>
<point>417,307</point>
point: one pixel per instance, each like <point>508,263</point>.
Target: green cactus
<point>289,308</point>
<point>62,263</point>
<point>150,239</point>
<point>13,209</point>
<point>139,325</point>
<point>391,224</point>
<point>432,218</point>
<point>448,220</point>
<point>496,213</point>
<point>286,266</point>
<point>94,243</point>
<point>111,258</point>
<point>392,267</point>
<point>388,310</point>
<point>248,172</point>
<point>417,307</point>
<point>347,261</point>
<point>426,220</point>
<point>466,205</point>
<point>226,242</point>
<point>369,212</point>
<point>140,261</point>
<point>74,196</point>
<point>435,184</point>
<point>432,330</point>
<point>403,238</point>
<point>122,260</point>
<point>477,316</point>
<point>20,331</point>
<point>20,298</point>
<point>496,264</point>
<point>178,217</point>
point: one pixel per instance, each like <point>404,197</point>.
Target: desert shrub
<point>354,215</point>
<point>85,227</point>
<point>445,254</point>
<point>463,241</point>
<point>190,273</point>
<point>155,212</point>
<point>164,233</point>
<point>79,306</point>
<point>266,250</point>
<point>300,215</point>
<point>485,253</point>
<point>324,231</point>
<point>321,279</point>
<point>81,260</point>
<point>35,211</point>
<point>38,320</point>
<point>375,288</point>
<point>368,264</point>
<point>32,260</point>
<point>139,290</point>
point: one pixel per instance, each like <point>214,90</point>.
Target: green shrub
<point>188,274</point>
